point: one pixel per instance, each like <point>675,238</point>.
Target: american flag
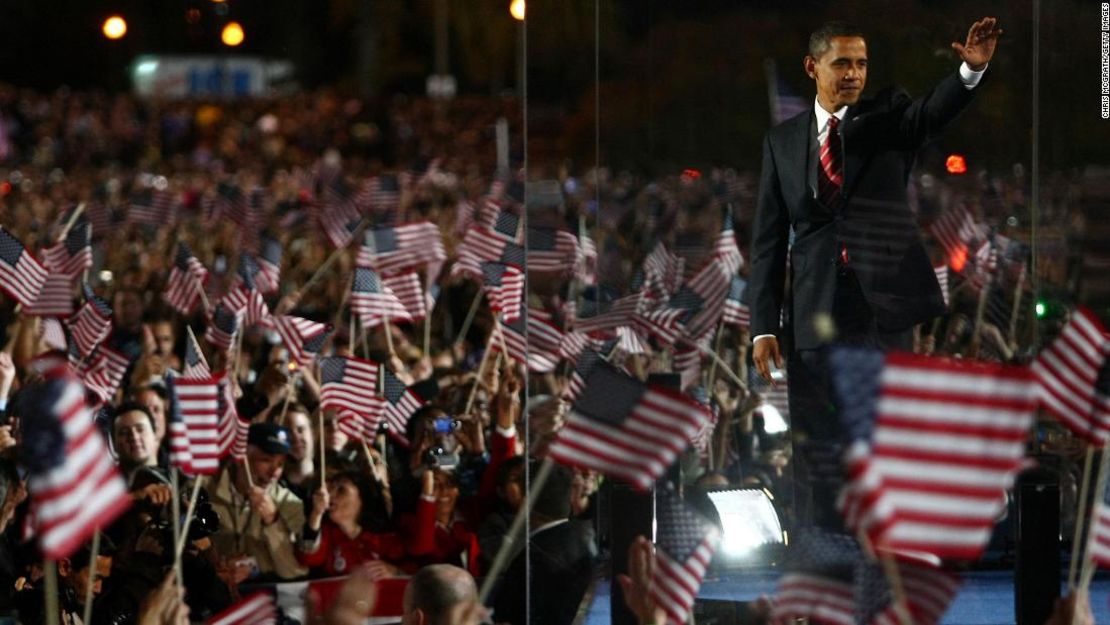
<point>233,431</point>
<point>955,230</point>
<point>693,311</point>
<point>103,372</point>
<point>406,287</point>
<point>373,301</point>
<point>1067,373</point>
<point>151,207</point>
<point>395,248</point>
<point>504,286</point>
<point>381,194</point>
<point>625,428</point>
<point>232,204</point>
<point>928,593</point>
<point>584,364</point>
<point>586,269</point>
<point>100,215</point>
<point>21,276</point>
<point>268,279</point>
<point>942,280</point>
<point>630,342</point>
<point>662,272</point>
<point>947,444</point>
<point>1098,536</point>
<point>401,402</point>
<point>339,211</point>
<point>981,271</point>
<point>56,297</point>
<point>736,313</point>
<point>573,343</point>
<point>543,334</point>
<point>685,543</point>
<point>91,324</point>
<point>819,582</point>
<point>75,486</point>
<point>726,251</point>
<point>194,366</point>
<point>222,327</point>
<point>688,362</point>
<point>599,316</point>
<point>257,609</point>
<point>243,298</point>
<point>351,384</point>
<point>551,250</point>
<point>194,424</point>
<point>186,281</point>
<point>72,255</point>
<point>486,244</point>
<point>303,338</point>
<point>53,334</point>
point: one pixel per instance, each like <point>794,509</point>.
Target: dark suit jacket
<point>880,137</point>
<point>562,562</point>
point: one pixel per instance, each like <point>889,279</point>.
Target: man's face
<point>127,310</point>
<point>163,337</point>
<point>840,73</point>
<point>157,407</point>
<point>134,438</point>
<point>265,468</point>
<point>81,578</point>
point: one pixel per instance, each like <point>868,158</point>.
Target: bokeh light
<point>114,27</point>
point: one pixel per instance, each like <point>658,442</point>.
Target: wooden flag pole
<point>180,546</point>
<point>175,507</point>
<point>328,263</point>
<point>323,450</point>
<point>469,319</point>
<point>428,308</point>
<point>1011,334</point>
<point>478,379</point>
<point>388,334</point>
<point>1077,536</point>
<point>351,334</point>
<point>90,581</point>
<point>890,571</point>
<point>69,224</point>
<point>718,360</point>
<point>716,350</point>
<point>193,338</point>
<point>203,296</point>
<point>247,468</point>
<point>50,590</point>
<point>506,549</point>
<point>1088,562</point>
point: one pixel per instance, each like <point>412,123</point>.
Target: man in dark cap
<point>259,519</point>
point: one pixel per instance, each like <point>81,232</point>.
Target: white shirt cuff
<point>508,432</point>
<point>761,336</point>
<point>969,77</point>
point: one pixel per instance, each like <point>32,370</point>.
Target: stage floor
<point>986,597</point>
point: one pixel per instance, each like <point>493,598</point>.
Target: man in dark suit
<point>836,175</point>
<point>558,569</point>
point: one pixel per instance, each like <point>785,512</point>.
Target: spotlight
<point>753,532</point>
<point>115,27</point>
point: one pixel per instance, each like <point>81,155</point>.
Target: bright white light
<point>146,67</point>
<point>749,521</point>
<point>773,422</point>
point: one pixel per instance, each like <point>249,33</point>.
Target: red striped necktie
<point>831,180</point>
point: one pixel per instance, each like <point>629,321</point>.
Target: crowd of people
<point>308,499</point>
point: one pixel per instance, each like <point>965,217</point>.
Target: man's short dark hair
<point>131,406</point>
<point>821,39</point>
<point>553,500</point>
<point>437,588</point>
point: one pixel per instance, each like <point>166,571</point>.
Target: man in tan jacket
<point>259,519</point>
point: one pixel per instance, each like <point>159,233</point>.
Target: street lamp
<point>114,27</point>
<point>232,34</point>
<point>516,8</point>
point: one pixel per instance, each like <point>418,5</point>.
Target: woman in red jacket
<point>337,544</point>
